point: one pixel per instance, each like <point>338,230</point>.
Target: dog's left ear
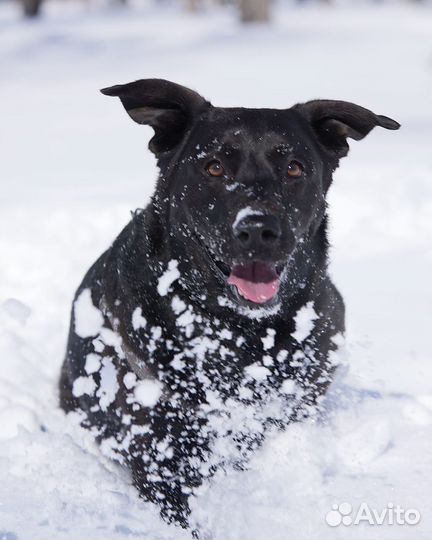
<point>165,106</point>
<point>335,121</point>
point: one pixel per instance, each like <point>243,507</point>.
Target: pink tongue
<point>256,281</point>
<point>255,292</point>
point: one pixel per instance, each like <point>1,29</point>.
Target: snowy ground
<point>73,166</point>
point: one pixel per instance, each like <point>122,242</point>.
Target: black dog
<point>211,319</point>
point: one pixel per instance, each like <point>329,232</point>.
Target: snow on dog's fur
<point>211,319</point>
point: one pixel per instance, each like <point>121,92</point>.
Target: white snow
<point>83,385</point>
<point>267,360</point>
<point>177,304</point>
<point>225,334</point>
<point>282,355</point>
<point>17,310</point>
<point>88,318</point>
<point>254,313</point>
<point>148,392</point>
<point>178,363</point>
<point>245,212</point>
<point>130,380</point>
<point>66,189</point>
<point>110,338</point>
<point>257,372</point>
<point>185,319</point>
<point>304,321</point>
<point>170,275</point>
<point>268,340</point>
<point>138,321</point>
<point>92,364</point>
<point>288,386</point>
<point>109,386</point>
<point>14,419</point>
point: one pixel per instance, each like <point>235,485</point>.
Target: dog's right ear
<point>167,107</point>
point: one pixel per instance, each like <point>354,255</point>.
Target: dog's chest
<point>217,384</point>
<point>215,369</point>
<point>194,382</point>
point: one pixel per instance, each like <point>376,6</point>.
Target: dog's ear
<point>335,121</point>
<point>165,106</point>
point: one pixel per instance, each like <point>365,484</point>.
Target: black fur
<point>196,341</point>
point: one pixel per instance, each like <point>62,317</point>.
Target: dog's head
<point>243,189</point>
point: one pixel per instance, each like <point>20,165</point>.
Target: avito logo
<point>344,514</point>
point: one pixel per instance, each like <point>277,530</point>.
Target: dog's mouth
<point>255,281</point>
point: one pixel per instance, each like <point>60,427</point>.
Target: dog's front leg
<point>167,465</point>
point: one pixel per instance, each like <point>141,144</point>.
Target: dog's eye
<point>295,169</point>
<point>215,168</point>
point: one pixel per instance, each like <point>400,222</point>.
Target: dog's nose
<point>257,231</point>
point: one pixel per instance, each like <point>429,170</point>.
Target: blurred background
<point>73,166</point>
<point>248,10</point>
